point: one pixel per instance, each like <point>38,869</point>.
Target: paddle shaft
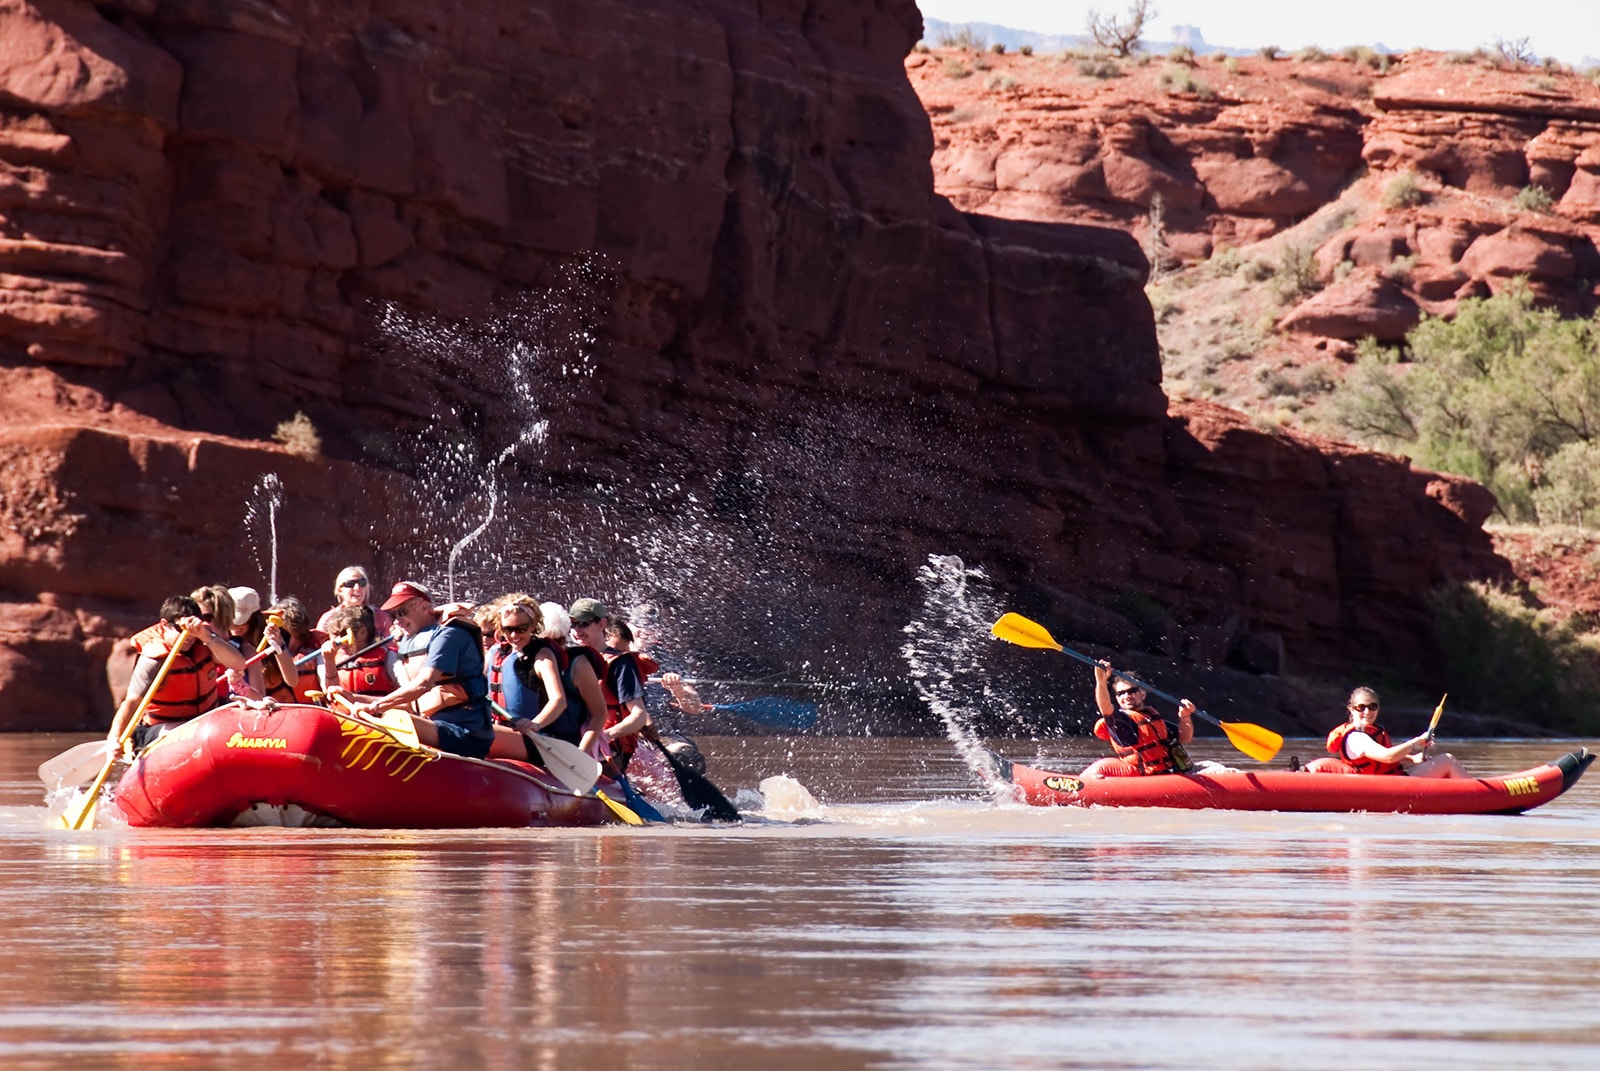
<point>127,730</point>
<point>745,684</point>
<point>1137,683</point>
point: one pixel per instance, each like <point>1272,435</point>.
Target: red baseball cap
<point>404,592</point>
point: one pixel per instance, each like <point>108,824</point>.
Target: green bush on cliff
<point>1502,656</point>
<point>1505,393</point>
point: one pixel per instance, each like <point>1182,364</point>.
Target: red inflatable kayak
<point>225,763</point>
<point>1301,790</point>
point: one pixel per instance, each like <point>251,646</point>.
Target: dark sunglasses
<point>585,622</point>
<point>515,630</point>
<point>1363,707</point>
<point>354,584</point>
<point>1128,691</point>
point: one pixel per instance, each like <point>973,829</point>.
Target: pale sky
<point>1566,29</point>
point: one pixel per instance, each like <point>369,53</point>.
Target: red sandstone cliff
<point>208,214</point>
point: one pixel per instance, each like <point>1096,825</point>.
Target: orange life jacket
<point>1365,766</point>
<point>368,674</point>
<point>193,684</point>
<point>307,681</point>
<point>1151,752</point>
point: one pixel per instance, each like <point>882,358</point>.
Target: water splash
<point>491,480</point>
<point>946,646</point>
<point>263,502</point>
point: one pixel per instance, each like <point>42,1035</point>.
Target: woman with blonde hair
<point>353,587</point>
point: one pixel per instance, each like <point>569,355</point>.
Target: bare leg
<point>1439,766</point>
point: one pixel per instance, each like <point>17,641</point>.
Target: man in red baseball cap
<point>450,688</point>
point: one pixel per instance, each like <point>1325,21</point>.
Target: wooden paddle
<point>75,765</point>
<point>1438,712</point>
<point>1259,743</point>
<point>75,814</point>
<point>573,767</point>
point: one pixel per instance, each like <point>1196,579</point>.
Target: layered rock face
<point>1427,160</point>
<point>209,213</point>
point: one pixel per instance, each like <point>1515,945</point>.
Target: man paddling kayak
<point>1141,738</point>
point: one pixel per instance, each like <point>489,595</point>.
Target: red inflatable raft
<point>1301,790</point>
<point>240,759</point>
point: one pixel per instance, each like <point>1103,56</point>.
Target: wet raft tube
<point>214,768</point>
<point>1284,790</point>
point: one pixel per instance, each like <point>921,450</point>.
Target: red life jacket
<point>497,667</point>
<point>1151,752</point>
<point>614,709</point>
<point>368,674</point>
<point>193,684</point>
<point>1365,766</point>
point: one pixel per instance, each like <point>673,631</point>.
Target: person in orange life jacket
<point>214,599</point>
<point>1140,737</point>
<point>352,587</point>
<point>371,673</point>
<point>190,686</point>
<point>1363,745</point>
<point>451,654</point>
<point>297,639</point>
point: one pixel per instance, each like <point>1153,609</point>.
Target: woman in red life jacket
<point>190,686</point>
<point>352,587</point>
<point>1141,738</point>
<point>1362,746</point>
<point>343,671</point>
<point>623,679</point>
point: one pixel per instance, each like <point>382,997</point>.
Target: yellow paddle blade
<point>1438,712</point>
<point>1014,628</point>
<point>1260,744</point>
<point>622,811</point>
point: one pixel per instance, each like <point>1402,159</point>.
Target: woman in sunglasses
<point>1362,746</point>
<point>1143,741</point>
<point>351,588</point>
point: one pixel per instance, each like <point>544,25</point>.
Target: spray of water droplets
<point>261,517</point>
<point>946,648</point>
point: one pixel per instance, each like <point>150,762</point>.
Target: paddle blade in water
<point>1260,744</point>
<point>75,765</point>
<point>1014,628</point>
<point>619,810</point>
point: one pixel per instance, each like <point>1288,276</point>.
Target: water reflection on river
<point>909,923</point>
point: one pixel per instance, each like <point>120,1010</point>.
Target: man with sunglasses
<point>1142,739</point>
<point>449,688</point>
<point>1362,746</point>
<point>622,673</point>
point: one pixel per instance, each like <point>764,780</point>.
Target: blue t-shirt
<point>456,654</point>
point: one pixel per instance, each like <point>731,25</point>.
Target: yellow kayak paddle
<point>1259,743</point>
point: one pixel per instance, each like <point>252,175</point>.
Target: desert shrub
<point>998,48</point>
<point>1099,68</point>
<point>1494,394</point>
<point>1180,54</point>
<point>299,436</point>
<point>1312,54</point>
<point>962,115</point>
<point>1296,274</point>
<point>1025,50</point>
<point>1259,269</point>
<point>1570,491</point>
<point>1230,64</point>
<point>956,69</point>
<point>963,37</point>
<point>1502,656</point>
<point>1534,199</point>
<point>1224,262</point>
<point>1180,79</point>
<point>1269,52</point>
<point>1403,191</point>
<point>1001,81</point>
<point>1399,269</point>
